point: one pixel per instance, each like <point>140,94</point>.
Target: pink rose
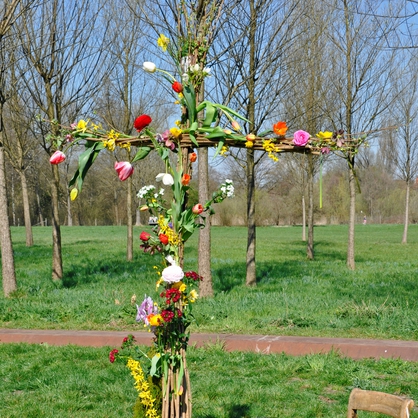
<point>172,274</point>
<point>124,170</point>
<point>301,138</point>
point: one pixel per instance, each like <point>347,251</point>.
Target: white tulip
<point>166,178</point>
<point>149,67</point>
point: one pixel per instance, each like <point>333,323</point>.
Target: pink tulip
<point>301,138</point>
<point>124,170</point>
<point>57,157</point>
<point>197,209</point>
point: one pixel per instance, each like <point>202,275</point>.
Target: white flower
<point>149,67</point>
<point>195,68</point>
<point>144,190</point>
<point>166,178</point>
<point>172,274</point>
<point>206,71</point>
<point>185,78</point>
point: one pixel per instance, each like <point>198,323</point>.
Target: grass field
<point>293,296</point>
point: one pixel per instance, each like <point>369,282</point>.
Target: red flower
<point>197,209</point>
<point>193,275</point>
<point>163,239</point>
<point>124,170</point>
<point>144,236</point>
<point>57,157</point>
<point>112,354</point>
<point>171,295</point>
<point>185,180</point>
<point>177,87</point>
<point>193,157</point>
<point>142,122</point>
<point>167,315</point>
<point>280,128</point>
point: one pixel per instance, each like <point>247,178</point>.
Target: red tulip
<point>124,170</point>
<point>177,87</point>
<point>57,157</point>
<point>185,180</point>
<point>193,157</point>
<point>197,209</point>
<point>142,122</point>
<point>144,236</point>
<point>163,239</point>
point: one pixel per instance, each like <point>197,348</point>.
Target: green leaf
<point>190,99</point>
<point>219,147</point>
<point>142,153</point>
<point>154,365</point>
<point>217,132</point>
<point>210,115</point>
<point>230,111</point>
<point>85,161</point>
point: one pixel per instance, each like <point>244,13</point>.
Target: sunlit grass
<point>293,296</point>
<point>79,382</point>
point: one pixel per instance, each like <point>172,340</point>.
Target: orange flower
<point>185,180</point>
<point>193,157</point>
<point>280,128</point>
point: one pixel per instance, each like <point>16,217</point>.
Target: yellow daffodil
<point>224,150</point>
<point>163,42</point>
<point>177,123</point>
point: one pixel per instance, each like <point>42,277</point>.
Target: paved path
<point>350,347</point>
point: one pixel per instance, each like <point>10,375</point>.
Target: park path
<point>350,347</point>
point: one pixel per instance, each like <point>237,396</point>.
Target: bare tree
<point>252,59</point>
<point>63,53</point>
<point>10,11</point>
<point>403,144</point>
<point>361,65</point>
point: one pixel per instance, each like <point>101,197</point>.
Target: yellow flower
<point>82,125</point>
<point>324,135</point>
<point>176,132</point>
<point>180,286</point>
<point>249,144</point>
<point>126,145</point>
<point>74,194</point>
<point>163,42</point>
<point>193,295</point>
<point>159,283</point>
<point>177,122</point>
<point>110,144</point>
<point>224,150</point>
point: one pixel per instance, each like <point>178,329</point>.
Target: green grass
<point>71,382</point>
<point>293,296</point>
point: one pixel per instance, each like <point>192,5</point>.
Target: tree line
<point>337,65</point>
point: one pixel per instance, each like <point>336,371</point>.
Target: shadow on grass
<point>236,411</point>
<point>93,270</point>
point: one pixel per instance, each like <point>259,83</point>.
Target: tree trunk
<point>7,258</point>
<point>57,272</point>
<point>406,219</point>
<point>69,214</point>
<point>352,219</point>
<point>251,224</point>
<point>204,244</point>
<point>310,246</point>
<point>38,202</point>
<point>26,209</point>
<point>130,227</point>
<point>303,218</point>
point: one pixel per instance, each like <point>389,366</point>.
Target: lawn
<point>293,296</point>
